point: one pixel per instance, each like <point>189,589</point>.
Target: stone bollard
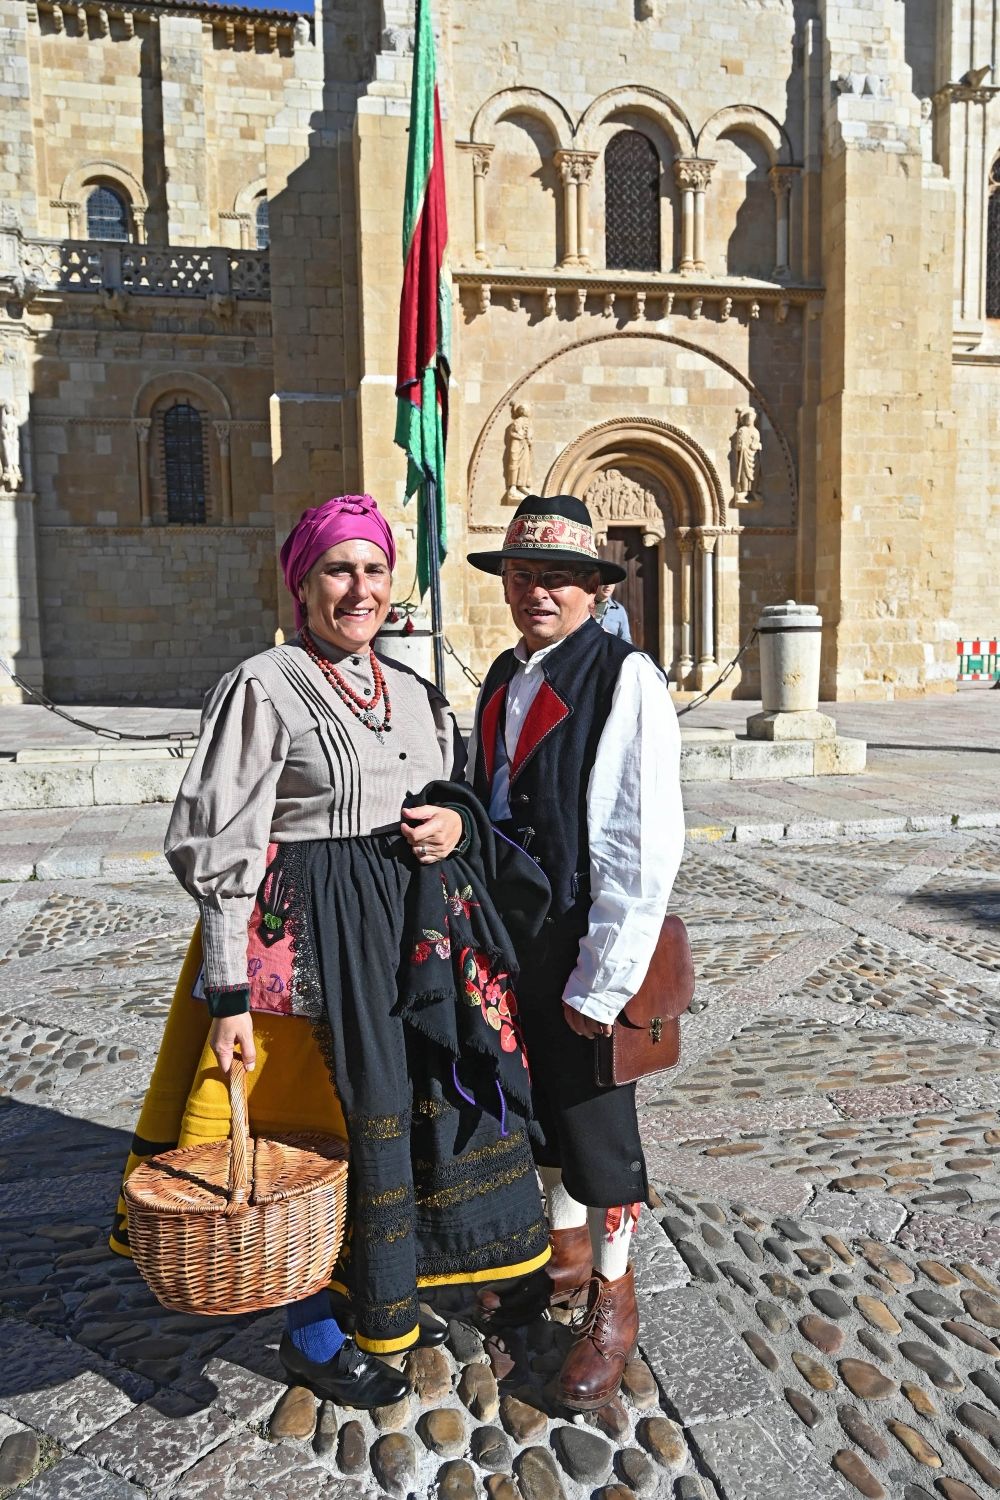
<point>789,638</point>
<point>413,648</point>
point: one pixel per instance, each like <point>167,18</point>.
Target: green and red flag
<point>422,369</point>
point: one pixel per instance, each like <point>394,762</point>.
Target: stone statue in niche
<point>616,500</point>
<point>744,452</point>
<point>10,448</point>
<point>517,454</point>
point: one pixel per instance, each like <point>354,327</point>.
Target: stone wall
<point>976,606</point>
<point>152,614</point>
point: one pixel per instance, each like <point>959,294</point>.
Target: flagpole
<point>434,569</point>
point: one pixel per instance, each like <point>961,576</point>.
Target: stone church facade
<point>730,273</point>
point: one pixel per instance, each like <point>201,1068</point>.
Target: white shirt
<point>635,826</point>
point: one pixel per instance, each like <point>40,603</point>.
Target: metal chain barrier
<point>180,735</point>
<point>469,673</point>
<point>726,672</point>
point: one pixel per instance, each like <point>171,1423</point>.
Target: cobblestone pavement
<point>820,1275</point>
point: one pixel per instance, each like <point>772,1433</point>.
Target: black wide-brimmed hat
<point>557,529</point>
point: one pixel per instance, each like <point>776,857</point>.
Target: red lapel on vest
<point>545,714</point>
<point>489,721</point>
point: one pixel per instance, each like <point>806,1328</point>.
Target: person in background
<point>609,614</point>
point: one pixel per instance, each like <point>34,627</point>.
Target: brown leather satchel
<point>646,1037</point>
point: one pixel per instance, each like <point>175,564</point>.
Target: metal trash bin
<point>789,639</point>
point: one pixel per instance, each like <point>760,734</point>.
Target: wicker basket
<point>240,1225</point>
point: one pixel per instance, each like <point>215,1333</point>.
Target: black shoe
<point>432,1331</point>
<point>350,1378</point>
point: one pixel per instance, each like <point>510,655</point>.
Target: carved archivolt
<point>755,122</point>
<point>668,454</point>
<point>637,100</point>
<point>522,101</point>
<point>714,486</point>
<point>616,500</point>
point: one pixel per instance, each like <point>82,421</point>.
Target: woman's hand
<point>583,1025</point>
<point>226,1033</point>
<point>431,832</point>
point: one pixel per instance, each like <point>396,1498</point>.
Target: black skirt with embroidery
<point>442,1182</point>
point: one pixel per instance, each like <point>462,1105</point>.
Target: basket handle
<point>239,1171</point>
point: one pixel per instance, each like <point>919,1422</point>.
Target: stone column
<point>571,223</point>
<point>685,661</point>
<point>139,219</point>
<point>480,171</point>
<point>225,470</point>
<point>706,601</point>
<point>143,427</point>
<point>692,175</point>
<point>781,179</point>
<point>583,170</point>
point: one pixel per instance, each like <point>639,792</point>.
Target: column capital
<point>693,172</point>
<point>781,179</point>
<point>706,541</point>
<point>143,427</point>
<point>685,542</point>
<point>575,166</point>
<point>480,153</point>
<point>221,429</point>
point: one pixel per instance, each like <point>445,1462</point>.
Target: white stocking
<point>564,1212</point>
<point>611,1231</point>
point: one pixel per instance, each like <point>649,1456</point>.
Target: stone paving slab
<point>245,1467</point>
<point>854,1214</point>
<point>702,1369</point>
<point>60,1388</point>
<point>948,1235</point>
<point>157,1442</point>
<point>73,1478</point>
<point>765,1456</point>
<point>723,1178</point>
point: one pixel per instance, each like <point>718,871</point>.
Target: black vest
<point>550,776</point>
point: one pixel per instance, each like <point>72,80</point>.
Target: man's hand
<point>431,832</point>
<point>583,1025</point>
<point>226,1033</point>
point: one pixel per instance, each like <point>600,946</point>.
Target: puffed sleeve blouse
<point>281,758</point>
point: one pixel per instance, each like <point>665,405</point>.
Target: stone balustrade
<point>144,270</point>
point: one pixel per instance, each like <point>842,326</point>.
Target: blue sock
<point>312,1329</point>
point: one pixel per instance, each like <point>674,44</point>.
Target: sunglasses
<point>551,580</point>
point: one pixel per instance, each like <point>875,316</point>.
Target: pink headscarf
<point>345,518</point>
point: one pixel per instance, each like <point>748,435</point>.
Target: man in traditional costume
<point>576,754</point>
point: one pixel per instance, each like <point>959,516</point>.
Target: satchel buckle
<point>656,1028</point>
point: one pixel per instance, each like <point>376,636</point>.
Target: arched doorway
<point>659,511</point>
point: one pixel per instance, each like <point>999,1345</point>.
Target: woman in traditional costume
<point>350,947</point>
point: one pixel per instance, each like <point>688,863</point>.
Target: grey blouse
<point>282,759</point>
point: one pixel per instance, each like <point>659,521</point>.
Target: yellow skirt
<point>290,1090</point>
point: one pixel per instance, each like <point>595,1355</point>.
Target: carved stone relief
<point>10,448</point>
<point>616,500</point>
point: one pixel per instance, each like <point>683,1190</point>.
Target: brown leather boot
<point>564,1279</point>
<point>571,1265</point>
<point>592,1370</point>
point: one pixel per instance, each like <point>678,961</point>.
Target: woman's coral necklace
<point>361,707</point>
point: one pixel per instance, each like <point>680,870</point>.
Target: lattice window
<point>632,203</point>
<point>184,465</point>
<point>262,224</point>
<point>993,245</point>
<point>107,215</point>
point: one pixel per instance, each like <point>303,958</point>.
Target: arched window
<point>107,214</point>
<point>993,245</point>
<point>262,223</point>
<point>184,465</point>
<point>631,203</point>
